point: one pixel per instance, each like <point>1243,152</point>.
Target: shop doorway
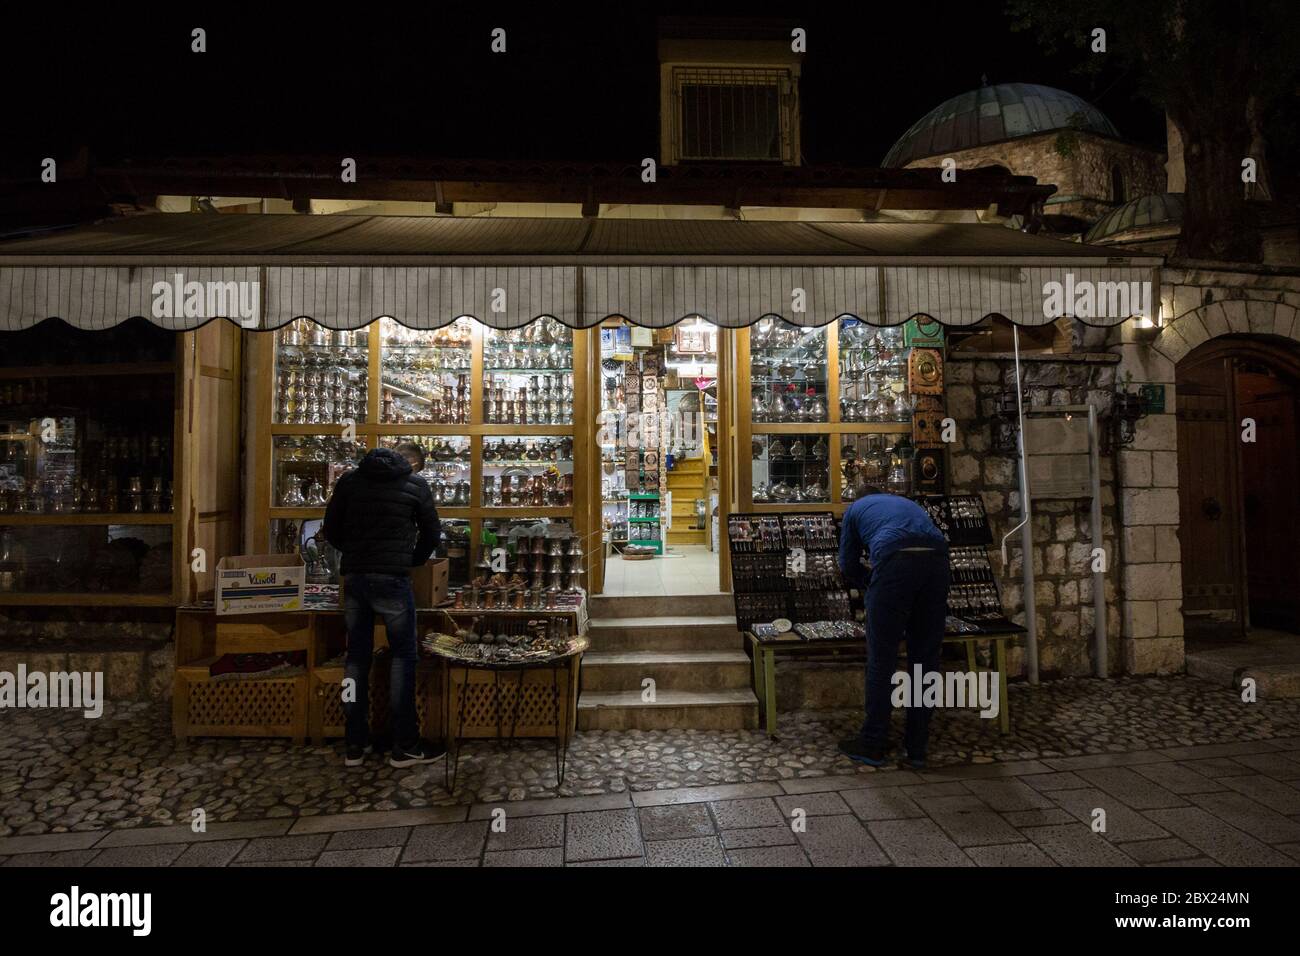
<point>1239,515</point>
<point>661,458</point>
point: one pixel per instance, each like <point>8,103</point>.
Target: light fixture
<point>1126,410</point>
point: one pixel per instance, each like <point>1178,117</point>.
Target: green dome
<point>1145,211</point>
<point>995,113</point>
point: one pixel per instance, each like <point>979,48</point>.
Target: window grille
<point>734,114</point>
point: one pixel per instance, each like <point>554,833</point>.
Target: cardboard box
<point>257,583</point>
<point>429,582</point>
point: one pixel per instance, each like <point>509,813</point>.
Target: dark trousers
<point>907,598</point>
<point>389,596</point>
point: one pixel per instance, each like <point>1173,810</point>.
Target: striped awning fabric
<point>653,275</point>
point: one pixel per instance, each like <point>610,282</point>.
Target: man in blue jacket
<point>906,596</point>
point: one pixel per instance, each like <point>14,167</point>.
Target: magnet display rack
<point>973,592</point>
<point>767,582</point>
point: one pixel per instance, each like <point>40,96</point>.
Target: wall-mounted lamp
<point>1126,410</point>
<point>1006,419</point>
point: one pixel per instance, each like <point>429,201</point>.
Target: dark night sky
<point>423,81</point>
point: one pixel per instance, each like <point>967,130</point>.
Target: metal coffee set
<point>543,567</point>
<point>545,400</point>
<point>320,397</point>
<point>323,456</point>
<point>102,494</point>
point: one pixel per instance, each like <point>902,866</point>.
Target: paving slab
<point>57,858</point>
<point>183,833</point>
<point>282,848</point>
<point>1122,821</point>
<point>213,853</point>
<point>446,841</point>
<point>1179,778</point>
<point>1047,782</point>
<point>974,771</point>
<point>1009,854</point>
<point>695,851</point>
<point>621,861</point>
<point>726,791</point>
<point>549,805</point>
<point>886,804</point>
<point>1274,794</point>
<point>1074,844</point>
<point>50,842</point>
<point>528,833</point>
<point>368,839</point>
<point>1160,851</point>
<point>840,841</point>
<point>1216,768</point>
<point>865,778</point>
<point>534,856</point>
<point>1235,749</point>
<point>1217,840</point>
<point>1038,818</point>
<point>1095,761</point>
<point>813,804</point>
<point>156,855</point>
<point>377,819</point>
<point>1132,789</point>
<point>742,814</point>
<point>1007,796</point>
<point>768,856</point>
<point>1254,818</point>
<point>274,863</point>
<point>758,836</point>
<point>675,822</point>
<point>602,835</point>
<point>917,842</point>
<point>976,828</point>
<point>366,856</point>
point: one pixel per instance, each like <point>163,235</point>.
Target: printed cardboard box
<point>257,583</point>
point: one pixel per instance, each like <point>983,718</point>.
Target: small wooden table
<point>764,653</point>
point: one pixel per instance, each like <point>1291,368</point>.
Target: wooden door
<point>1269,478</point>
<point>1210,527</point>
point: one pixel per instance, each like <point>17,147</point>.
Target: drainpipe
<point>1098,541</point>
<point>1026,528</point>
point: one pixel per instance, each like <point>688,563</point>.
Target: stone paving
<point>1177,763</point>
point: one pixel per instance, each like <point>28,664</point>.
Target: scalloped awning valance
<point>958,275</point>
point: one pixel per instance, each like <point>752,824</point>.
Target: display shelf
<point>87,518</point>
<point>88,370</point>
<point>86,599</point>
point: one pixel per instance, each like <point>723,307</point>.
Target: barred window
<point>733,114</point>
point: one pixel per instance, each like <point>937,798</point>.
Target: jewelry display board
<point>494,411</point>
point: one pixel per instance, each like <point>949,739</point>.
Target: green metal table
<point>764,653</point>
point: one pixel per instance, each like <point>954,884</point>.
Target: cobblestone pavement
<point>69,779</point>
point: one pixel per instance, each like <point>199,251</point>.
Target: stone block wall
<point>1062,528</point>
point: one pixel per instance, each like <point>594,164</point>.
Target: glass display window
<point>86,559</point>
<point>306,467</point>
<point>524,471</point>
<point>446,465</point>
<point>788,374</point>
<point>791,468</point>
<point>884,461</point>
<point>321,375</point>
<point>425,375</point>
<point>528,374</point>
<point>532,552</point>
<point>873,373</point>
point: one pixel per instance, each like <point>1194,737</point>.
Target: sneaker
<point>855,749</point>
<point>422,752</point>
<point>356,756</point>
<point>916,764</point>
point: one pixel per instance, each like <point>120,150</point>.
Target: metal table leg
<point>1000,659</point>
<point>452,761</point>
<point>769,690</point>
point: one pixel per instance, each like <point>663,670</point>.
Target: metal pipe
<point>1026,531</point>
<point>1101,665</point>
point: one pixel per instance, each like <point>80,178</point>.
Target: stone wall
<point>1062,529</point>
<point>1083,174</point>
<point>1197,305</point>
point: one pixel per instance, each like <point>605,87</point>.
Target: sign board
<point>1058,463</point>
<point>923,332</point>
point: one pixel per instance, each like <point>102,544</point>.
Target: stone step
<point>689,710</point>
<point>670,670</point>
<point>706,604</point>
<point>712,632</point>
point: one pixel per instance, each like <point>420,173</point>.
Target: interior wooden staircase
<point>687,483</point>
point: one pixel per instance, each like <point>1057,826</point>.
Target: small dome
<point>1141,213</point>
<point>995,113</point>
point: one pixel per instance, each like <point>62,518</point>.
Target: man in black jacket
<point>381,517</point>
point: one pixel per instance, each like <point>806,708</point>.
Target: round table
<point>565,659</point>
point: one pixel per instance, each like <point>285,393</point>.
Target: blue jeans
<point>390,596</point>
<point>907,597</point>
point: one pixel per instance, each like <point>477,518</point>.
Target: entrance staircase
<point>686,482</point>
<point>687,644</point>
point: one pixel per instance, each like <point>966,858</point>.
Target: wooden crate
<point>536,709</point>
<point>326,718</point>
<point>239,707</point>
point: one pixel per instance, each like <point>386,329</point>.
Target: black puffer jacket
<point>382,517</point>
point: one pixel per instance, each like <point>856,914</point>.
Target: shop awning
<point>182,270</point>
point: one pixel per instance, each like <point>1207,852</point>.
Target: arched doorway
<point>1238,501</point>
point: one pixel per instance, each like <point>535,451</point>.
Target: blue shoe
<point>918,764</point>
<point>855,749</point>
